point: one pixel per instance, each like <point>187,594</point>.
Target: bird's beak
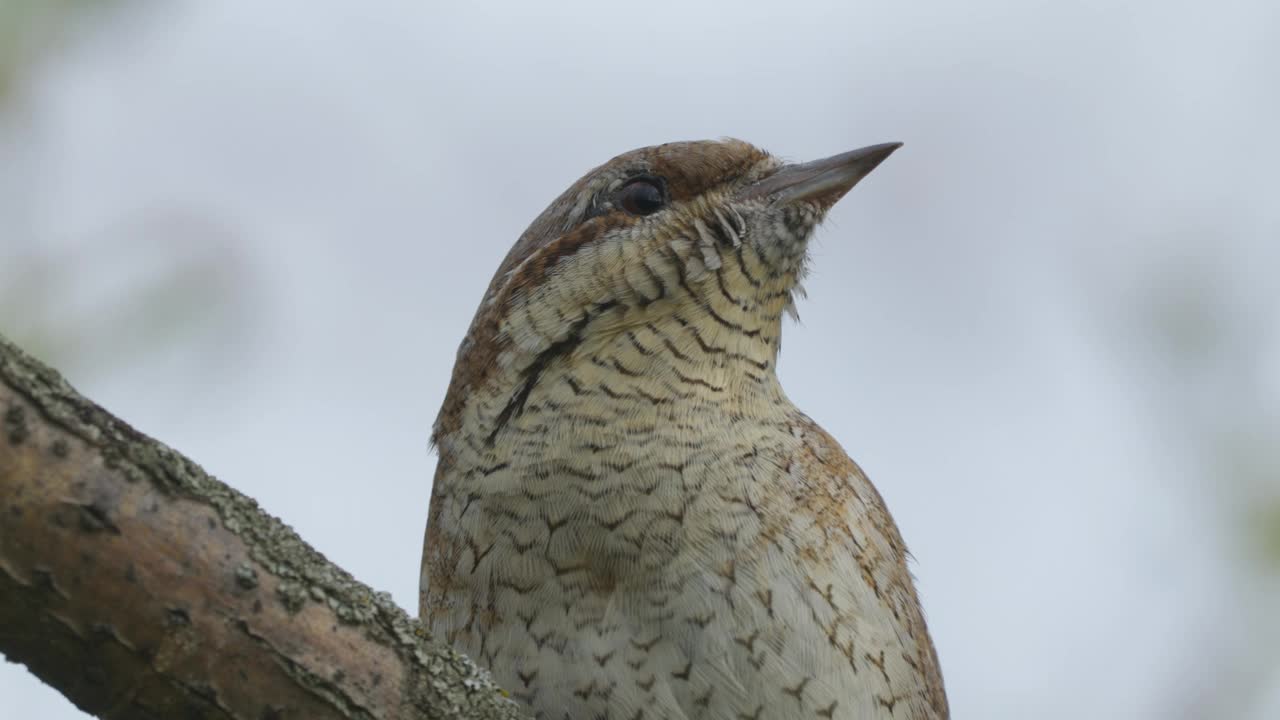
<point>820,181</point>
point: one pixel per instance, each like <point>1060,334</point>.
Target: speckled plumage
<point>630,520</point>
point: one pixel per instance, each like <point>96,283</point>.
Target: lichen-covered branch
<point>140,587</point>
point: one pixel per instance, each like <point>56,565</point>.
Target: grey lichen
<point>246,576</point>
<point>292,595</point>
<point>15,425</point>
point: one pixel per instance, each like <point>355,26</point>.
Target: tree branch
<point>140,587</point>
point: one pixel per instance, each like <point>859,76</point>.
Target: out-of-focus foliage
<point>1191,334</point>
<point>191,287</point>
<point>29,28</point>
<point>189,293</point>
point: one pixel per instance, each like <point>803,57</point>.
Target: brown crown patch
<point>692,168</point>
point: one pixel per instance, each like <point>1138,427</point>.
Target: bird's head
<point>680,232</point>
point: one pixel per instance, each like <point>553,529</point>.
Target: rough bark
<point>140,587</point>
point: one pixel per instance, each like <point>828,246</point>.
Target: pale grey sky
<point>973,329</point>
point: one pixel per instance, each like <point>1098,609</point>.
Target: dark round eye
<point>641,197</point>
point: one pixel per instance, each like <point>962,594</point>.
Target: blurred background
<point>1048,327</point>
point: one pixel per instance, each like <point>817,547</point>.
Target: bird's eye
<point>642,196</point>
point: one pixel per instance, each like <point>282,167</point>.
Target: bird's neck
<point>651,395</point>
<point>708,355</point>
<point>674,369</point>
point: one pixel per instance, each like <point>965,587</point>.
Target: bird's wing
<point>807,604</point>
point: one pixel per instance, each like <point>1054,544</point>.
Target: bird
<point>629,519</point>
